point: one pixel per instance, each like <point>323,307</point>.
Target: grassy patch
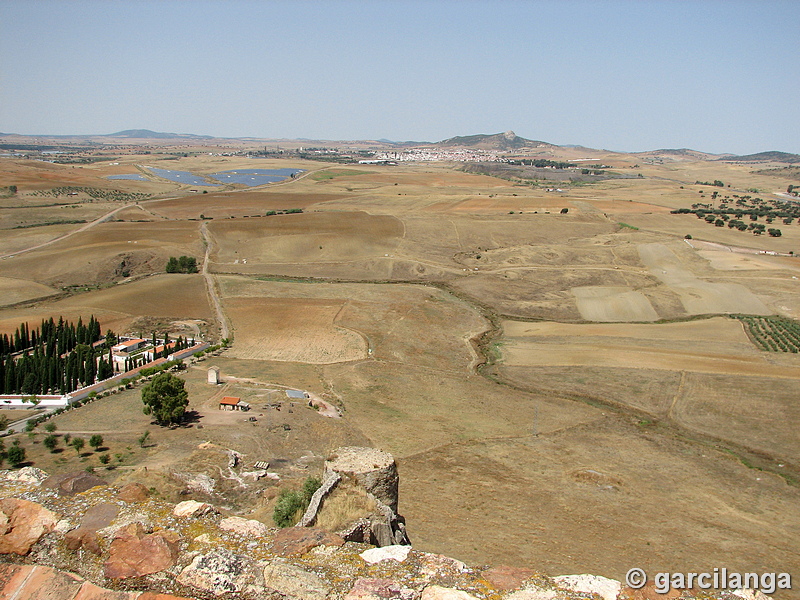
<point>626,226</point>
<point>328,175</point>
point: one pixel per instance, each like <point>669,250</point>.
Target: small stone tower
<point>213,375</point>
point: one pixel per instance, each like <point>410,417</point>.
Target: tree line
<point>52,358</point>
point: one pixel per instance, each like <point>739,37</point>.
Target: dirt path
<point>211,284</point>
<point>101,219</point>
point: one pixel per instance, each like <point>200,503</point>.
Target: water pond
<point>131,176</point>
<point>253,177</point>
<point>182,177</point>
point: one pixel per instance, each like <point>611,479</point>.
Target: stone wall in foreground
<point>73,537</point>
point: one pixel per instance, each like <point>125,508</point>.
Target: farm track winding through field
<point>101,219</point>
<point>211,284</point>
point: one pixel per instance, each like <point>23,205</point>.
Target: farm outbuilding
<point>213,375</point>
<point>233,403</point>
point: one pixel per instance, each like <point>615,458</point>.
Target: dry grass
<point>292,330</point>
<point>105,252</point>
<point>343,506</point>
<point>117,307</point>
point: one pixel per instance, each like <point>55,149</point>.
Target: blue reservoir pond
<point>181,177</point>
<point>249,177</point>
<point>132,177</point>
<point>253,177</point>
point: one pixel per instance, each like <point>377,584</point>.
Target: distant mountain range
<point>500,142</point>
<point>146,134</point>
<point>772,156</point>
<point>496,141</point>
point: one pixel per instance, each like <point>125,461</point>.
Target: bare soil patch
<point>304,238</point>
<point>300,330</point>
<point>19,290</point>
<point>222,205</point>
<point>106,252</point>
<point>162,296</point>
<point>606,303</point>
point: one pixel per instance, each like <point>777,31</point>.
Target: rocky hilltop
<point>74,537</point>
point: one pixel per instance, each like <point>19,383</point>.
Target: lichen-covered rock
<point>69,484</point>
<point>192,508</point>
<point>608,589</point>
<point>379,589</point>
<point>296,541</point>
<point>504,577</point>
<point>133,492</point>
<point>245,527</point>
<point>30,475</point>
<point>436,592</point>
<point>218,572</point>
<point>134,553</point>
<point>22,524</point>
<point>290,580</point>
<point>376,555</point>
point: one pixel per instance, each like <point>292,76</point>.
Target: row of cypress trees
<point>53,358</point>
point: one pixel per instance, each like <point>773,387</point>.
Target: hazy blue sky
<point>719,76</point>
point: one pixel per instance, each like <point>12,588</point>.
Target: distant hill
<point>773,156</point>
<point>154,135</point>
<point>678,154</point>
<point>497,141</point>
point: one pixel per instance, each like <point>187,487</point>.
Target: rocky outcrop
<point>22,524</point>
<point>134,553</point>
<point>69,484</point>
<point>296,541</point>
<point>147,551</point>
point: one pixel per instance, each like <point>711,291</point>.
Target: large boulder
<point>69,484</point>
<point>249,528</point>
<point>85,536</point>
<point>218,572</point>
<point>22,524</point>
<point>379,589</point>
<point>134,553</point>
<point>296,541</point>
<point>133,492</point>
<point>290,580</point>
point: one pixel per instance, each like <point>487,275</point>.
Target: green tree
<point>143,439</point>
<point>96,441</point>
<point>77,443</point>
<point>50,427</point>
<point>172,265</point>
<point>16,454</point>
<point>166,398</point>
<point>50,442</point>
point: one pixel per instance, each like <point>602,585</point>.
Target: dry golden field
<point>621,418</point>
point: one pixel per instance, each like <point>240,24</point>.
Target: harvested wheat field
<point>613,304</point>
<point>716,345</point>
<point>108,251</point>
<point>292,329</point>
<point>238,204</point>
<point>162,297</point>
<point>305,238</point>
<point>13,291</point>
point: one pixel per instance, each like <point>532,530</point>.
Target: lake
<point>253,177</point>
<point>132,177</point>
<point>182,177</point>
